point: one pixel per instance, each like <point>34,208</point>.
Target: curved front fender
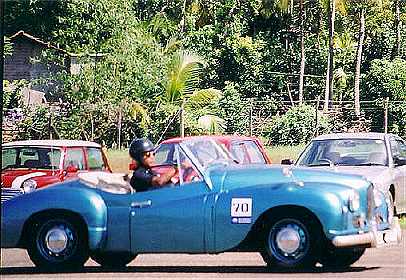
<point>325,205</point>
<point>70,196</point>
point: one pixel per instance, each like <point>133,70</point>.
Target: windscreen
<point>30,157</point>
<point>350,152</point>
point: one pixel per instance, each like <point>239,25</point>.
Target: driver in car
<point>143,179</point>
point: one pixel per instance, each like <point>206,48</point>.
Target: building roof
<point>24,34</point>
<point>53,143</point>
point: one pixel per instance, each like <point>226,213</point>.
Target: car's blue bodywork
<point>205,216</point>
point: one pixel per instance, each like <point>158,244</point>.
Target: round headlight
<point>353,201</point>
<point>29,185</point>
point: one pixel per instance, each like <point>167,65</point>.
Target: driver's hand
<point>175,178</point>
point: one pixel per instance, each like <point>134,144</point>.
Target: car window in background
<point>254,153</point>
<point>51,156</point>
<point>351,152</point>
<point>238,151</point>
<point>95,159</point>
<point>9,158</point>
<point>187,171</point>
<point>398,148</point>
<point>402,148</point>
<point>31,157</point>
<point>75,158</point>
<point>164,154</point>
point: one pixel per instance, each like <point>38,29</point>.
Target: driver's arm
<point>162,179</point>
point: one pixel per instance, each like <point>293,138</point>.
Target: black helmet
<point>139,146</point>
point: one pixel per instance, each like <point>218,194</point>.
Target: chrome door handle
<point>141,204</point>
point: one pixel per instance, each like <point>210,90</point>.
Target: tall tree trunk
<point>328,95</point>
<point>183,20</point>
<point>398,23</point>
<point>361,36</point>
<point>302,53</point>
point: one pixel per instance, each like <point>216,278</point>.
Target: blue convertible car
<point>294,217</point>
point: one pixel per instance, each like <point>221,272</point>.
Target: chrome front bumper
<point>374,238</point>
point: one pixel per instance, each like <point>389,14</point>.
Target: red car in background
<point>244,149</point>
<point>28,165</point>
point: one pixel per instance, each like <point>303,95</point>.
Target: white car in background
<point>379,157</point>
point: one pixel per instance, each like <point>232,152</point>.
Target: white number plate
<point>241,207</point>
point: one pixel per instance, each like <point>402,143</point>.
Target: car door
<point>398,148</point>
<point>172,218</point>
<point>247,152</point>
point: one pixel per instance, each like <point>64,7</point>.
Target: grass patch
<point>119,160</point>
<point>402,221</point>
<point>277,153</point>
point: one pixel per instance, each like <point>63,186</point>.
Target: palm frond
<point>183,76</point>
<point>211,124</point>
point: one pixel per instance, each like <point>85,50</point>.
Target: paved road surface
<point>385,263</point>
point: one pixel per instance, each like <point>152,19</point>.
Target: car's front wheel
<point>113,260</point>
<point>341,257</point>
<point>291,243</point>
<point>58,243</point>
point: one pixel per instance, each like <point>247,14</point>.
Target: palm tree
<point>286,6</point>
<point>302,52</point>
<point>361,36</point>
<point>183,76</point>
<point>331,6</point>
<point>182,87</point>
<point>396,47</point>
<point>362,9</point>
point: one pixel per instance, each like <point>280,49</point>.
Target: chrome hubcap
<point>56,240</point>
<point>288,240</point>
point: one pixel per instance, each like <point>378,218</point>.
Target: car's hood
<point>380,176</point>
<point>239,176</point>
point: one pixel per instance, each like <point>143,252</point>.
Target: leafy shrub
<point>296,126</point>
<point>233,110</point>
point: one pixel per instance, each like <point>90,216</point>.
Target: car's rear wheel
<point>341,257</point>
<point>291,243</point>
<point>113,260</point>
<point>58,243</point>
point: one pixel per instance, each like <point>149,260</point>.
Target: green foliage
<point>233,110</point>
<point>35,124</point>
<point>12,94</point>
<point>386,79</point>
<point>297,126</point>
<point>183,76</point>
<point>250,48</point>
<point>397,119</point>
<point>8,47</point>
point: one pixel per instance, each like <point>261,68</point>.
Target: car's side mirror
<point>72,169</point>
<point>399,160</point>
<point>287,161</point>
